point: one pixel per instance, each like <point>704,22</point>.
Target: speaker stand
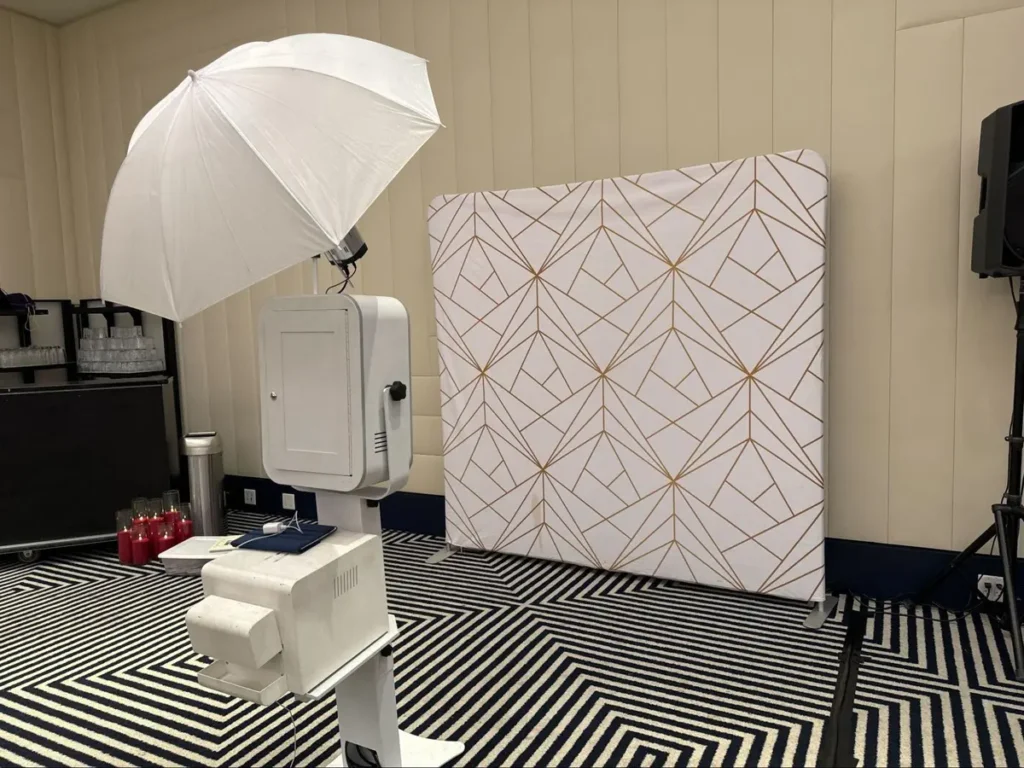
<point>1008,513</point>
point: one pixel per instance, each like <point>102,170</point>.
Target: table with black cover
<point>72,454</point>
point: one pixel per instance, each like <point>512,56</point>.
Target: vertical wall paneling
<point>258,295</point>
<point>71,59</point>
<point>376,270</point>
<point>915,13</point>
<point>407,209</point>
<point>59,133</point>
<point>860,267</point>
<point>993,61</point>
<point>331,16</point>
<point>432,32</point>
<point>11,163</point>
<point>548,91</point>
<point>300,18</point>
<point>219,381</point>
<point>195,391</point>
<point>691,27</point>
<point>511,110</point>
<point>46,253</point>
<point>595,47</point>
<point>15,235</point>
<point>643,120</point>
<point>551,89</point>
<point>92,130</point>
<point>802,75</point>
<point>744,78</point>
<point>115,143</point>
<point>926,210</point>
<point>471,79</point>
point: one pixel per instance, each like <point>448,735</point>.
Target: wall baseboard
<point>883,571</point>
<point>411,512</point>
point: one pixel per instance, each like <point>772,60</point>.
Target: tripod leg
<point>1003,527</point>
<point>925,595</point>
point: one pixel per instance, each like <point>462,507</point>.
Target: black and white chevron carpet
<point>528,662</point>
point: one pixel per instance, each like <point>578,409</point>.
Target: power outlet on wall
<point>288,501</point>
<point>250,496</point>
<point>991,587</point>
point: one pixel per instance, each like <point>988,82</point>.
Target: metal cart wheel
<point>28,555</point>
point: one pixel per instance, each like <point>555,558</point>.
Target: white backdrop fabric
<point>632,372</point>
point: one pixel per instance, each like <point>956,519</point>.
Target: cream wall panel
<point>926,211</point>
<point>471,79</point>
<point>993,61</point>
<point>551,90</point>
<point>79,192</point>
<point>802,76</point>
<point>744,78</point>
<point>332,16</point>
<point>195,392</point>
<point>643,118</point>
<point>97,181</point>
<point>244,397</point>
<point>432,33</point>
<point>692,101</point>
<point>595,47</point>
<point>67,220</point>
<point>46,254</point>
<point>408,210</point>
<point>15,238</point>
<point>258,295</point>
<point>511,111</point>
<point>11,164</point>
<point>219,382</point>
<point>300,16</point>
<point>32,235</point>
<point>860,267</point>
<point>377,271</point>
<point>914,13</point>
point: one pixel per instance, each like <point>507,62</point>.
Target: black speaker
<point>998,246</point>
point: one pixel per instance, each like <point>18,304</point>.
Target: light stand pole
<point>1008,512</point>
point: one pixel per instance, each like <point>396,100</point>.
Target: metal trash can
<point>206,477</point>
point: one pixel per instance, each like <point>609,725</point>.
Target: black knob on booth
<point>398,391</point>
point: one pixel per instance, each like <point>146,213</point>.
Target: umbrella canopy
<point>264,158</point>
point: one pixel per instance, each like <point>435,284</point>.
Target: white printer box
<point>328,604</point>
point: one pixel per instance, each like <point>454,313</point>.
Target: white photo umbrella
<point>266,157</point>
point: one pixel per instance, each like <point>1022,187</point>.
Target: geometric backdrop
<point>632,372</point>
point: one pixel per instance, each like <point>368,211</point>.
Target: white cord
<point>292,524</point>
<point>295,733</point>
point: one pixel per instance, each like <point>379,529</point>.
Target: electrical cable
<point>295,733</point>
<point>348,277</point>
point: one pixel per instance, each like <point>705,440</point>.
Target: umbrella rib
<point>163,228</point>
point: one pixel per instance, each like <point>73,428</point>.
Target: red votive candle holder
<point>184,527</point>
<point>166,539</point>
<point>124,536</point>
<point>156,519</point>
<point>141,548</point>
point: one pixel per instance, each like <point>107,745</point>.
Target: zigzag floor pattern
<point>529,662</point>
<point>937,690</point>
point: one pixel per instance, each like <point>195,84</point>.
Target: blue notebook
<point>289,540</point>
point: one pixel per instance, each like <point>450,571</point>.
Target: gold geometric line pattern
<point>632,371</point>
